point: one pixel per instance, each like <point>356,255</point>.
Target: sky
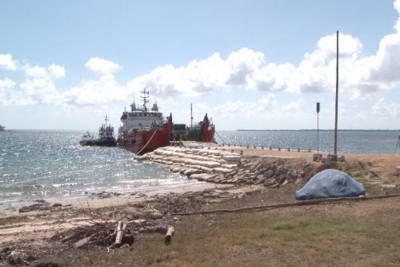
<point>257,64</point>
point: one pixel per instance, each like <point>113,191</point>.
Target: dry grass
<point>347,234</point>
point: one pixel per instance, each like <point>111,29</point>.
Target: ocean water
<point>348,141</point>
<point>52,164</point>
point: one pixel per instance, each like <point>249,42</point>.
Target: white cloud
<point>348,46</point>
<point>36,72</point>
<point>102,66</point>
<point>7,62</point>
<point>293,105</point>
<point>95,92</point>
<point>385,109</point>
<point>53,71</point>
<point>37,88</point>
<point>9,96</point>
<point>247,69</point>
<point>267,102</point>
<point>6,85</point>
<point>56,71</point>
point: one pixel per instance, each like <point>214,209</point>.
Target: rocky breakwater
<point>226,167</point>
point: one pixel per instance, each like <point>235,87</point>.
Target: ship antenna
<point>145,98</point>
<point>106,119</point>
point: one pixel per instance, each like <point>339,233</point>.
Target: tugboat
<point>144,130</point>
<point>105,137</point>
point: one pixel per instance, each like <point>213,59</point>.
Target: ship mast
<point>145,98</point>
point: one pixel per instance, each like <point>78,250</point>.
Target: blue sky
<point>248,64</point>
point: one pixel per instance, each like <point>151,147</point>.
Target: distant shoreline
<point>324,130</point>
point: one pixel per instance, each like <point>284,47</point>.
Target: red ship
<point>203,132</point>
<point>144,130</point>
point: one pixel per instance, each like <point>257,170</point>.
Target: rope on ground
<point>147,142</point>
<point>291,204</point>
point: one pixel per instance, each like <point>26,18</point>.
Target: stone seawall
<point>215,165</point>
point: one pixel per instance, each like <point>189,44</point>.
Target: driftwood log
<point>169,234</point>
<point>121,228</point>
<point>120,236</point>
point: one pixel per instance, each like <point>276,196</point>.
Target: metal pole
<point>317,108</point>
<point>191,115</point>
<point>337,92</point>
<point>317,133</point>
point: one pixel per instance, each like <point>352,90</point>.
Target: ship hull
<point>145,141</point>
<point>106,142</point>
<point>142,141</point>
<point>203,133</point>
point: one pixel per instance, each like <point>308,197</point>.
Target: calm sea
<point>52,164</point>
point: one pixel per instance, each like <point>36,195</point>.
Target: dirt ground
<point>40,234</point>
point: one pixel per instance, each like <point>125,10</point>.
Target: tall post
<point>337,92</point>
<point>317,109</point>
<point>191,115</point>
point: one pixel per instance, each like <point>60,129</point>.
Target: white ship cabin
<point>141,117</point>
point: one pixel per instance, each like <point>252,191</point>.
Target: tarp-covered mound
<point>330,184</point>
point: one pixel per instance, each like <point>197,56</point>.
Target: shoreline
<point>37,230</point>
<point>251,153</point>
<point>106,198</point>
<point>99,198</point>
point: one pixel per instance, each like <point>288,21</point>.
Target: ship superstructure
<point>141,116</point>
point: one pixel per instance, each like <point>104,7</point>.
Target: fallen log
<point>121,228</point>
<point>169,234</point>
<point>291,204</point>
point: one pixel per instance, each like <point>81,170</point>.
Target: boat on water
<point>105,136</point>
<point>2,128</point>
<point>87,139</point>
<point>144,130</point>
<point>201,132</point>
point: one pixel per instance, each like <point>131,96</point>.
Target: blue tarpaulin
<point>330,183</point>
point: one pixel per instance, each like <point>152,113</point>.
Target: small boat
<point>144,130</point>
<point>105,137</point>
<point>2,128</point>
<point>87,139</point>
